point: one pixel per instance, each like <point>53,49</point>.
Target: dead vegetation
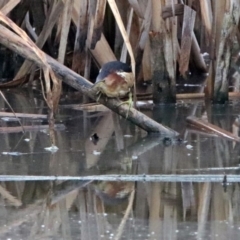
<point>85,34</point>
<point>161,39</point>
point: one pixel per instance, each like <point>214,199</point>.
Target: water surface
<point>110,180</point>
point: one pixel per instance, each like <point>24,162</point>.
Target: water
<point>110,180</point>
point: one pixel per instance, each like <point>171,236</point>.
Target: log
<point>80,83</point>
<point>20,46</point>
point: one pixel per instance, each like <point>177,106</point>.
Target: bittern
<point>115,80</point>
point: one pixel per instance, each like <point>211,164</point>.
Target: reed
<point>86,34</point>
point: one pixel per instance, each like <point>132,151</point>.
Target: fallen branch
<point>82,84</point>
<point>18,45</point>
<point>30,128</point>
<point>208,127</point>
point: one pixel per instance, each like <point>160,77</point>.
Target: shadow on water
<point>109,180</point>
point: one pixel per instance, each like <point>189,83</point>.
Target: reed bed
<point>161,39</point>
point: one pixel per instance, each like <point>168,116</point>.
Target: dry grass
<point>84,32</point>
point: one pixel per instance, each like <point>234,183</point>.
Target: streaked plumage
<point>115,79</point>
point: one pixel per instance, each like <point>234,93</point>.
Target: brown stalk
<point>186,41</point>
<point>50,21</point>
<point>196,122</point>
<point>163,45</point>
<point>39,56</point>
<point>9,6</point>
<point>143,37</point>
<point>119,21</point>
<point>197,58</point>
<point>66,20</point>
<point>123,57</point>
<point>155,204</point>
<point>80,17</point>
<point>204,206</point>
<point>146,62</point>
<point>229,24</point>
<point>206,13</point>
<point>170,54</point>
<point>137,8</point>
<point>101,46</point>
<point>98,22</point>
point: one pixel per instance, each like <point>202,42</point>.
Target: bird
<point>115,80</point>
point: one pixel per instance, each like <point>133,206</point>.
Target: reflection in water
<point>185,188</point>
<point>71,210</point>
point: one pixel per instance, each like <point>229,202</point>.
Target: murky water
<point>110,180</point>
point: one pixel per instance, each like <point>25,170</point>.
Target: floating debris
<point>128,136</point>
<point>134,157</point>
<point>189,146</point>
<point>52,149</point>
<point>95,152</point>
<point>44,131</point>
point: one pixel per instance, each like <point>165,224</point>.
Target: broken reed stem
<point>186,40</point>
<point>122,29</point>
<point>203,125</point>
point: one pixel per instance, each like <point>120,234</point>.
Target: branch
<point>20,46</point>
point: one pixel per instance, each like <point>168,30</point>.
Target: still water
<point>109,180</point>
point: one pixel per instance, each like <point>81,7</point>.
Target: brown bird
<point>115,80</point>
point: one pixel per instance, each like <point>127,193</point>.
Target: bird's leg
<point>129,102</point>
